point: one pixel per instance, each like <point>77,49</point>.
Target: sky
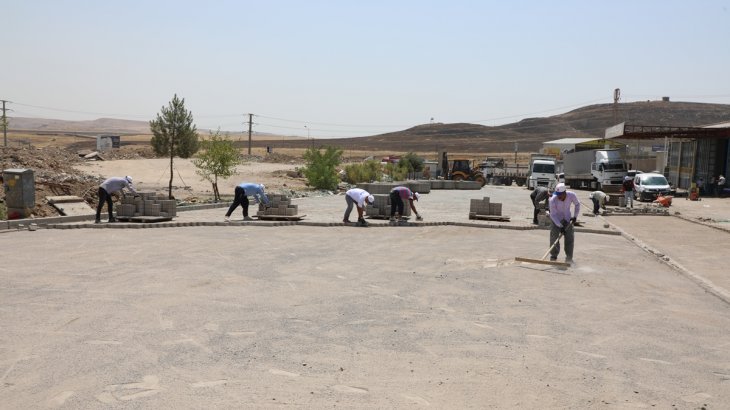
<point>346,68</point>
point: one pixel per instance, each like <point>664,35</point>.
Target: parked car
<point>648,186</point>
<point>633,172</point>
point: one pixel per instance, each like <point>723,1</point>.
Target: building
<point>689,153</point>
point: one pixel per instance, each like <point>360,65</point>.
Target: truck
<point>498,172</point>
<point>599,169</point>
<point>542,171</point>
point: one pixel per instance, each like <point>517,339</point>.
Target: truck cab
<point>542,173</point>
<point>609,168</point>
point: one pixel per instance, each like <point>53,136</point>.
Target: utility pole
<point>5,124</point>
<point>250,123</point>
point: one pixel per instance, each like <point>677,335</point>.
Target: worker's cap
<point>626,178</point>
<point>128,178</point>
<point>608,197</point>
<point>559,189</point>
<point>370,199</point>
<point>416,195</point>
<point>263,187</point>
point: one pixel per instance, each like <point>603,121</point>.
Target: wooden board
<point>280,217</point>
<point>543,262</point>
<point>148,219</point>
<point>491,218</point>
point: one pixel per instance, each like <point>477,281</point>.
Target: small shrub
<point>368,171</point>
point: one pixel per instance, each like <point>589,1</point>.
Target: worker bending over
<point>397,196</point>
<point>358,197</point>
<point>241,194</point>
<point>563,220</point>
<point>539,194</point>
<point>106,189</point>
<point>600,199</point>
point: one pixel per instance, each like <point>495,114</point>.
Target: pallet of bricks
<point>148,204</point>
<point>281,208</point>
<point>485,209</point>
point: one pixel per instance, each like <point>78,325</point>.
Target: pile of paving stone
<point>484,207</point>
<point>147,204</point>
<point>279,205</point>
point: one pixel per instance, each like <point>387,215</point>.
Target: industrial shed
<point>691,152</point>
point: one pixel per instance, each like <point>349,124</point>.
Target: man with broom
<point>563,220</point>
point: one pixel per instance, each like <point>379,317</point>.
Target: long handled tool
<point>542,260</point>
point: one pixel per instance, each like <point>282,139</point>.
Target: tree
<point>218,160</point>
<point>320,169</point>
<point>174,134</point>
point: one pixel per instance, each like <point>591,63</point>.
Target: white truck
<point>594,168</point>
<point>542,172</point>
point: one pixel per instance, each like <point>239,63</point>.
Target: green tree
<point>414,162</point>
<point>174,134</point>
<point>218,160</point>
<point>367,171</point>
<point>320,169</point>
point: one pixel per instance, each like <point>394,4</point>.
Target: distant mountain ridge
<point>528,134</point>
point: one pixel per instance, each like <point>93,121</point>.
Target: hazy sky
<point>351,68</point>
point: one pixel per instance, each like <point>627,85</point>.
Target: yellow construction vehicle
<point>465,169</point>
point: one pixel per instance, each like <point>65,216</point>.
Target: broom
<point>542,260</point>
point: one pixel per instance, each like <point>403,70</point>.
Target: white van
<point>649,185</point>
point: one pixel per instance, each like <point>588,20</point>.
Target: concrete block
<point>495,209</point>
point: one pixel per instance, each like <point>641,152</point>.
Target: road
<point>264,316</point>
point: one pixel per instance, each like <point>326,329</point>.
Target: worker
<point>563,220</point>
<point>241,194</point>
<point>358,197</point>
<point>721,186</point>
<point>627,187</point>
<point>109,187</point>
<point>701,186</point>
<point>600,199</point>
<point>397,195</point>
<point>539,194</point>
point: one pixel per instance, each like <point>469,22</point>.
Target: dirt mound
<point>54,174</point>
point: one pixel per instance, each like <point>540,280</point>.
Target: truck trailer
<point>594,168</point>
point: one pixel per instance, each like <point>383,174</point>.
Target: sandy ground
<point>154,175</point>
<point>262,315</point>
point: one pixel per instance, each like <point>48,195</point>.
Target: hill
<point>530,133</point>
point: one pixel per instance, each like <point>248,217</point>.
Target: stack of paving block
<point>280,206</point>
<point>543,217</point>
<point>375,188</point>
<point>147,204</point>
<point>381,207</point>
<point>449,184</point>
<point>484,207</point>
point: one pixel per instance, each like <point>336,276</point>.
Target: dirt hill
<point>530,133</point>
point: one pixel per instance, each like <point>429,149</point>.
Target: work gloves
<point>573,220</point>
<point>419,217</point>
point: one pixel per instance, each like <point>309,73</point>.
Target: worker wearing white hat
<point>241,194</point>
<point>397,196</point>
<point>358,197</point>
<point>563,220</point>
<point>600,199</point>
<point>106,189</point>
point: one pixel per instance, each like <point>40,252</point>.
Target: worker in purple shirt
<point>398,195</point>
<point>241,194</point>
<point>106,189</point>
<point>563,220</point>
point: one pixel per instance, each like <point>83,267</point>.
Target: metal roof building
<point>692,152</point>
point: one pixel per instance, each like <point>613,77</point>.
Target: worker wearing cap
<point>627,187</point>
<point>106,189</point>
<point>600,199</point>
<point>358,197</point>
<point>563,220</point>
<point>539,194</point>
<point>240,197</point>
<point>397,196</point>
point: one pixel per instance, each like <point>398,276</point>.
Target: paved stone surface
<point>247,315</point>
